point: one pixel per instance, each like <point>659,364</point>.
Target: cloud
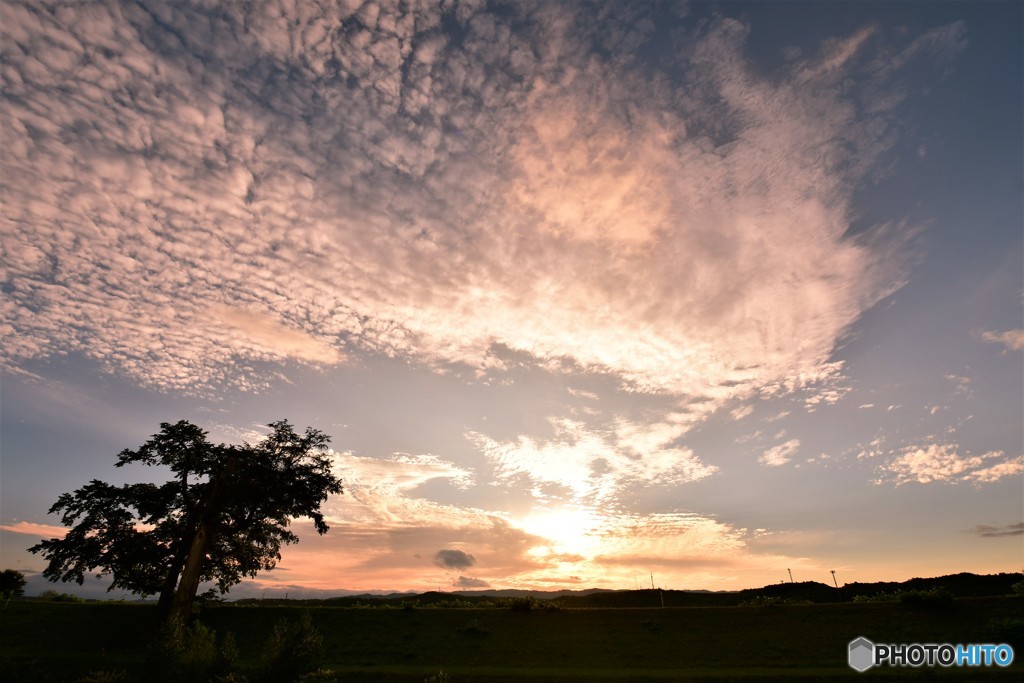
<point>962,385</point>
<point>936,462</point>
<point>380,534</point>
<point>996,472</point>
<point>469,583</point>
<point>1013,340</point>
<point>839,51</point>
<point>781,454</point>
<point>33,529</point>
<point>988,531</point>
<point>741,412</point>
<point>199,199</point>
<point>594,464</point>
<point>453,559</point>
<point>401,472</point>
<point>192,193</point>
<point>266,332</point>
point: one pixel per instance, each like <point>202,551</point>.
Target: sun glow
<point>571,530</point>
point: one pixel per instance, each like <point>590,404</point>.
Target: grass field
<point>107,642</point>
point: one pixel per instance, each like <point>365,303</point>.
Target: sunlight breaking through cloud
<point>568,282</point>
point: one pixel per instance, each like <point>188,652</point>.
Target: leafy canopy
<point>238,499</point>
<point>12,583</point>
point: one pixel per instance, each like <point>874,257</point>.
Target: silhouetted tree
<point>223,516</point>
<point>12,584</point>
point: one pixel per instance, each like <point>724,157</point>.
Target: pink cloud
<point>583,203</point>
<point>936,462</point>
<point>34,529</point>
<point>781,454</point>
<point>1013,340</point>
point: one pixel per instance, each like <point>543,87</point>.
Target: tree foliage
<point>12,584</point>
<point>222,517</point>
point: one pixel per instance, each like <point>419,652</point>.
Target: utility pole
<point>834,579</point>
<point>661,593</point>
<point>790,575</point>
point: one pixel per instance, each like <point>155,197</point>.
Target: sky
<point>587,294</point>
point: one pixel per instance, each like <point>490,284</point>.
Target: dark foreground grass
<point>66,642</point>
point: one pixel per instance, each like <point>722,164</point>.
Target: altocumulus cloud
<point>941,462</point>
<point>199,197</point>
<point>189,190</point>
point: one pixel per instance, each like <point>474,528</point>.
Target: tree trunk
<point>167,592</point>
<point>181,603</point>
<point>181,549</point>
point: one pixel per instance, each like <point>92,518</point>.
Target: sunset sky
<point>585,293</point>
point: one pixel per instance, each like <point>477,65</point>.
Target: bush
<point>521,604</point>
<point>772,601</point>
<point>1009,630</point>
<point>230,677</point>
<point>182,653</point>
<point>12,584</point>
<point>653,626</point>
<point>105,677</point>
<point>210,597</point>
<point>473,629</point>
<point>319,676</point>
<point>54,596</point>
<point>877,597</point>
<point>936,598</point>
<point>295,649</point>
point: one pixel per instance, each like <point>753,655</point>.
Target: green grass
<point>63,642</point>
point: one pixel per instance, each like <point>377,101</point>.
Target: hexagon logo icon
<point>862,654</point>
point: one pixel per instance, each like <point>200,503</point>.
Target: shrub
<point>772,601</point>
<point>935,598</point>
<point>230,677</point>
<point>295,648</point>
<point>199,653</point>
<point>181,653</point>
<point>209,597</point>
<point>473,629</point>
<point>1009,630</point>
<point>877,597</point>
<point>652,626</point>
<point>521,604</point>
<point>54,596</point>
<point>12,584</point>
<point>319,676</point>
<point>105,677</point>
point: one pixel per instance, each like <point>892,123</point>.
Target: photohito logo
<point>863,654</point>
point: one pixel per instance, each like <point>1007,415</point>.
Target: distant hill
<point>960,585</point>
<point>543,595</point>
